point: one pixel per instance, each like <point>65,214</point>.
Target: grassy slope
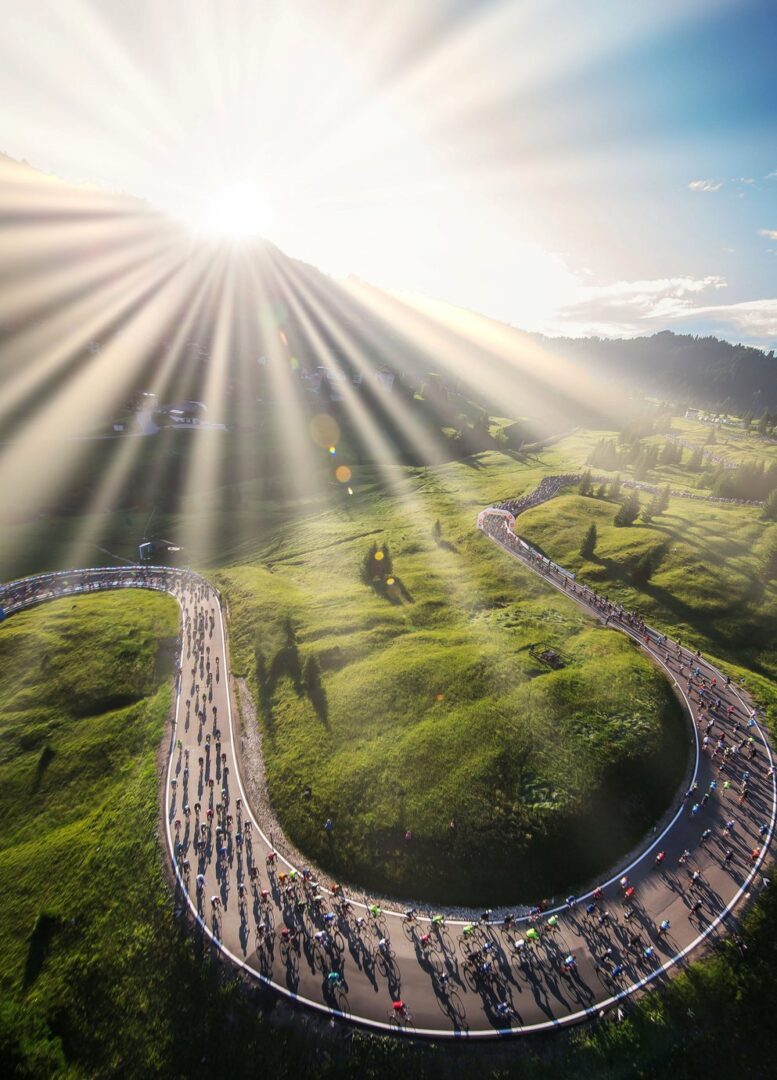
<point>97,980</point>
<point>162,1012</point>
<point>733,444</point>
<point>435,708</point>
<point>708,586</point>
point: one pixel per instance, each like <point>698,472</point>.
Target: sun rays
<point>121,302</point>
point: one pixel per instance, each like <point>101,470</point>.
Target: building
<point>184,412</point>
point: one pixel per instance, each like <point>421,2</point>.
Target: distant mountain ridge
<point>688,368</point>
<point>282,308</point>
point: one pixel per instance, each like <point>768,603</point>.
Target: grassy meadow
<point>436,708</point>
<point>99,980</point>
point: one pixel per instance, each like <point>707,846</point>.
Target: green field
<point>98,979</point>
<point>436,709</point>
<point>122,990</point>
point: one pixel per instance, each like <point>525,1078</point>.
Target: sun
<point>234,212</point>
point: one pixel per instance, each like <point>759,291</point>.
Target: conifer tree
<point>770,505</point>
<point>629,510</point>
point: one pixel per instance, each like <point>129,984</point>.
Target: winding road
<point>543,970</point>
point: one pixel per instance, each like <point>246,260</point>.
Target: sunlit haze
<point>233,212</point>
<point>266,213</point>
<point>547,164</point>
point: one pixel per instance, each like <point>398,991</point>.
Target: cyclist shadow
<point>540,995</point>
<point>368,967</point>
<point>555,990</point>
<point>244,932</point>
<point>291,961</point>
<point>452,1006</point>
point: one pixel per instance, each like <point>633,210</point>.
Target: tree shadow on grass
<point>315,690</point>
<point>680,611</point>
<point>46,757</point>
<point>396,592</point>
<point>46,926</point>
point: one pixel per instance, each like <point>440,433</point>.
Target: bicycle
<point>401,1017</point>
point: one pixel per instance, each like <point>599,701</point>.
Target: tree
<point>696,460</point>
<point>662,499</point>
<point>668,454</point>
<point>481,424</point>
<point>643,569</point>
<point>437,531</point>
<point>588,546</point>
<point>763,424</point>
<point>368,570</point>
<point>376,565</point>
<point>711,438</point>
<point>604,455</point>
<point>770,505</point>
<point>601,491</point>
<point>585,483</point>
<point>615,487</point>
<point>629,510</point>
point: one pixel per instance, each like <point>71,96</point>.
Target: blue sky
<point>570,166</point>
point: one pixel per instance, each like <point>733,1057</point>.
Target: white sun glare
<point>234,212</point>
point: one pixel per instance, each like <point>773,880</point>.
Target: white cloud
<point>770,234</point>
<point>705,185</point>
<point>623,308</point>
<point>632,308</point>
<point>752,318</point>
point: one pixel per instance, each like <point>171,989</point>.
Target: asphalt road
<point>613,955</point>
<point>587,962</point>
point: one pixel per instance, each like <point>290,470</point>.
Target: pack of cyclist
<point>214,847</point>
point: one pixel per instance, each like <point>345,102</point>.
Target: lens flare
<point>325,431</point>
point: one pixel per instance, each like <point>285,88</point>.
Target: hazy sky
<point>573,166</point>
